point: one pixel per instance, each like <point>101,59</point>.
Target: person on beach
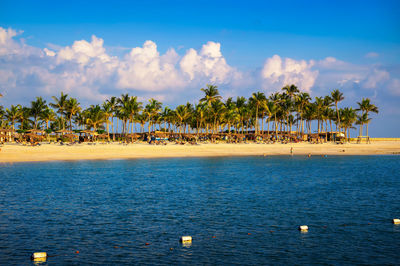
<point>291,151</point>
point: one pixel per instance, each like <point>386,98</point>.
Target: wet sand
<point>53,152</point>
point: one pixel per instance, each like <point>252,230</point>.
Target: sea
<point>238,211</point>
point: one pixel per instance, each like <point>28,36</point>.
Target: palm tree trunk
<point>112,127</point>
<point>256,129</point>
<point>262,127</point>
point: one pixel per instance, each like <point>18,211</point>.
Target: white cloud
<point>208,63</point>
<point>7,44</point>
<point>86,70</point>
<point>83,51</point>
<point>49,52</point>
<point>144,69</point>
<point>277,73</point>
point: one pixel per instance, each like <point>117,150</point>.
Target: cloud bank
<point>86,70</point>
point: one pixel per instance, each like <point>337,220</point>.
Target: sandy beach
<point>52,152</point>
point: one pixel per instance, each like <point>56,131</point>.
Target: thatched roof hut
<point>36,131</point>
<point>33,137</point>
<point>70,136</point>
<point>89,132</point>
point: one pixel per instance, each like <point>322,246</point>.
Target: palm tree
<point>108,112</point>
<point>37,107</point>
<point>241,108</point>
<point>134,108</point>
<point>23,119</point>
<point>60,104</point>
<point>291,90</point>
<point>361,120</point>
<point>95,116</point>
<point>319,108</point>
<point>257,99</point>
<point>182,113</point>
<point>365,107</point>
<point>302,101</point>
<point>48,115</point>
<point>13,114</point>
<point>217,109</point>
<point>348,118</point>
<point>71,109</point>
<point>275,99</point>
<point>231,114</point>
<point>151,109</point>
<point>113,105</point>
<point>211,95</point>
<point>337,96</point>
<point>123,110</point>
<point>200,115</point>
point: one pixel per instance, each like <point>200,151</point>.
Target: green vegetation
<point>280,112</point>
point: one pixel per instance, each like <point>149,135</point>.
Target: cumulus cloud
<point>145,69</point>
<point>208,63</point>
<point>85,69</point>
<point>277,73</point>
<point>82,51</point>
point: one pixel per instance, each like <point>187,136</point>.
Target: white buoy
<point>39,256</point>
<point>396,221</point>
<point>186,239</point>
<point>303,228</point>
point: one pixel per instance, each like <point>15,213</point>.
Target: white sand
<point>50,152</point>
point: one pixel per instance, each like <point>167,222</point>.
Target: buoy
<point>214,236</point>
<point>303,228</point>
<point>77,252</point>
<point>396,221</point>
<point>248,233</point>
<point>186,239</point>
<point>39,256</point>
<point>147,244</point>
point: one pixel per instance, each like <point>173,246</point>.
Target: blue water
<point>239,210</point>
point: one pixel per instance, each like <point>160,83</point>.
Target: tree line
<point>279,113</point>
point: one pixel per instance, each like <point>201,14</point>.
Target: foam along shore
<point>51,152</point>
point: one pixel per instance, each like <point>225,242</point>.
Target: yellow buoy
<point>303,228</point>
<point>39,256</point>
<point>396,221</point>
<point>186,239</point>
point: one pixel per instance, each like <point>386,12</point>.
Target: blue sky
<point>240,46</point>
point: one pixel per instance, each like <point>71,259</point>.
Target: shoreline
<point>11,153</point>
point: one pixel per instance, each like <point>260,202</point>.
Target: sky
<point>168,50</point>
